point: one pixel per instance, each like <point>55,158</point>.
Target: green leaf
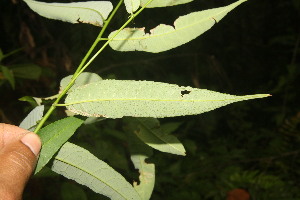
<point>8,74</point>
<point>150,132</point>
<point>163,3</point>
<point>32,118</point>
<point>118,98</point>
<point>132,5</point>
<point>83,79</point>
<point>165,37</point>
<point>34,101</point>
<point>139,153</point>
<point>54,136</point>
<point>91,12</point>
<point>27,71</point>
<point>78,164</point>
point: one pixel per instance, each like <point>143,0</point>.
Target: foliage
<point>221,156</point>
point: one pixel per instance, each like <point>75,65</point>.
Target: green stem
<point>110,39</point>
<point>78,70</point>
<point>82,65</point>
<point>99,37</point>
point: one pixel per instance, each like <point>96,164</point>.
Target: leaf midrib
<point>179,100</point>
<point>96,177</point>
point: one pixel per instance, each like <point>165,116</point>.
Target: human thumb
<point>19,151</point>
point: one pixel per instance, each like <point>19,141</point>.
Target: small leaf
<point>78,164</point>
<point>27,71</point>
<point>139,153</point>
<point>149,131</point>
<point>32,118</point>
<point>91,12</point>
<point>7,73</point>
<point>165,37</point>
<point>132,5</point>
<point>83,79</point>
<point>118,98</point>
<point>34,101</point>
<point>163,3</point>
<point>54,136</point>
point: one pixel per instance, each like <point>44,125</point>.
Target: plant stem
<point>82,65</point>
<point>110,39</point>
<point>99,37</point>
<point>78,70</point>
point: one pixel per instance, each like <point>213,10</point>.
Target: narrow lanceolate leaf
<point>83,79</point>
<point>132,5</point>
<point>149,131</point>
<point>80,165</point>
<point>165,37</point>
<point>91,12</point>
<point>139,153</point>
<point>32,118</point>
<point>163,3</point>
<point>118,98</point>
<point>54,136</point>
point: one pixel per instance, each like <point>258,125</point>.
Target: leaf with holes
<point>78,164</point>
<point>139,153</point>
<point>91,12</point>
<point>165,37</point>
<point>118,98</point>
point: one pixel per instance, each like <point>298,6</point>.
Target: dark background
<point>251,145</point>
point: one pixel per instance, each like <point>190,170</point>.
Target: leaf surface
<point>32,118</point>
<point>149,131</point>
<point>91,12</point>
<point>165,37</point>
<point>54,136</point>
<point>80,165</point>
<point>83,79</point>
<point>118,98</point>
<point>163,3</point>
<point>139,153</point>
<point>132,5</point>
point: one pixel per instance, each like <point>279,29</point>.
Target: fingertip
<point>33,142</point>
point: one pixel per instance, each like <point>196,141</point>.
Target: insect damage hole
<point>184,92</point>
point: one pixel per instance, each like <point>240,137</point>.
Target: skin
<point>19,150</point>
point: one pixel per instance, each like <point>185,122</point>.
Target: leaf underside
<point>91,12</point>
<point>78,164</point>
<point>132,5</point>
<point>32,118</point>
<point>163,3</point>
<point>83,79</point>
<point>118,98</point>
<point>165,37</point>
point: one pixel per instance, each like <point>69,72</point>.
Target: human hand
<point>19,151</point>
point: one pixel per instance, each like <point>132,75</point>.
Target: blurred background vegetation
<point>248,148</point>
